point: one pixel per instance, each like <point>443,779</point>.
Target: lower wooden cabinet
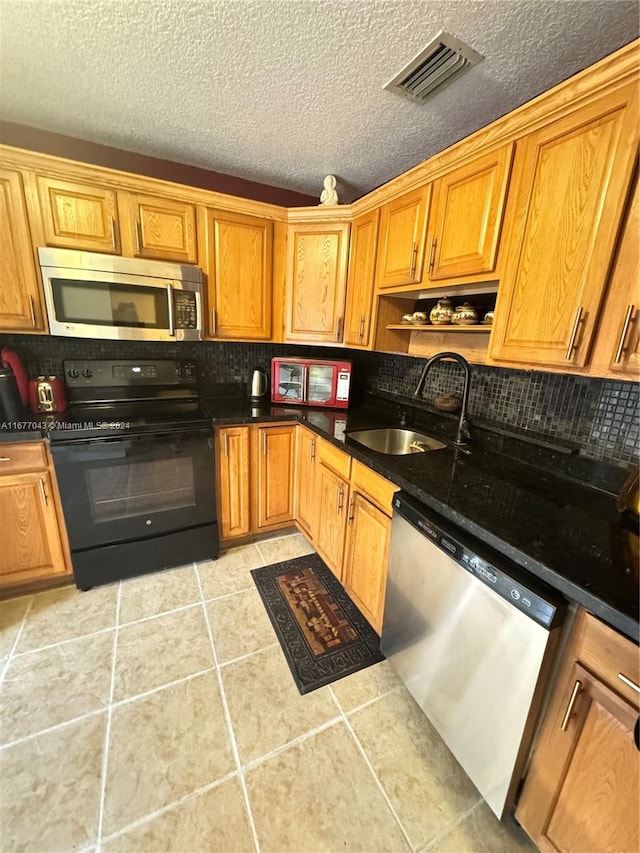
<point>581,792</point>
<point>34,545</point>
<point>305,480</point>
<point>331,516</point>
<point>255,482</point>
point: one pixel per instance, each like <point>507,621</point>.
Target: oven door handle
<point>76,442</point>
<point>172,325</point>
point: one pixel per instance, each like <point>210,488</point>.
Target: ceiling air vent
<point>441,61</point>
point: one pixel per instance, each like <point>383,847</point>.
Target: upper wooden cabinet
<point>162,229</point>
<point>617,346</point>
<point>362,258</point>
<point>240,272</point>
<point>402,239</point>
<point>316,281</point>
<point>568,186</point>
<point>581,791</point>
<point>20,305</point>
<point>79,216</point>
<point>466,217</point>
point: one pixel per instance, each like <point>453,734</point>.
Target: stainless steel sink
<point>396,442</point>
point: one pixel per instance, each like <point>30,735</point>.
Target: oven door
<point>135,487</point>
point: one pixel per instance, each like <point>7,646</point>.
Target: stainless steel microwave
<point>89,295</point>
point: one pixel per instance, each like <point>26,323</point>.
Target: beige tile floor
<point>159,714</point>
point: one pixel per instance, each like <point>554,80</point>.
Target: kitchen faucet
<point>462,435</point>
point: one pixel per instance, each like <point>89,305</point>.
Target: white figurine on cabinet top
<point>329,194</point>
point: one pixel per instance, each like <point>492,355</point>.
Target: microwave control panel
<point>185,309</point>
<point>342,389</point>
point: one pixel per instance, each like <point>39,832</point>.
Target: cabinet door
<point>617,346</point>
<point>367,556</point>
<point>589,800</point>
<point>20,306</point>
<point>316,281</point>
<point>275,474</point>
<point>331,518</point>
<point>240,276</point>
<point>305,505</point>
<point>569,185</point>
<point>467,216</point>
<point>79,216</point>
<point>31,544</point>
<point>233,479</point>
<point>402,238</point>
<point>362,259</point>
<point>163,229</point>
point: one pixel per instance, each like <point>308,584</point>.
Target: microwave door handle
<point>305,374</point>
<point>172,328</point>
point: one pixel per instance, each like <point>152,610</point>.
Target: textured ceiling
<point>285,91</point>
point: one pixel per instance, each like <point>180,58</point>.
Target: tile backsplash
<point>599,416</point>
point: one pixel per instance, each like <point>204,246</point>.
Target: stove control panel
<point>98,373</point>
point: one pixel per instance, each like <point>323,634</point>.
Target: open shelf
<point>446,327</point>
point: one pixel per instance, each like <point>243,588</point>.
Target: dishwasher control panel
<point>509,581</point>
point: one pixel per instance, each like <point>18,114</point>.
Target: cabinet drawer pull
<point>5,459</point>
<point>361,328</point>
<point>623,334</point>
<point>577,687</point>
<point>225,438</point>
<point>339,499</point>
<point>32,311</point>
<point>432,253</point>
<point>574,332</point>
<point>138,236</point>
<point>312,451</point>
<point>213,321</point>
<point>264,444</point>
<point>112,224</point>
<point>43,494</point>
<point>628,682</point>
<point>414,258</point>
<point>350,511</point>
<point>339,329</point>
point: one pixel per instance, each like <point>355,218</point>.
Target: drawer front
<point>609,655</point>
<point>16,458</point>
<point>377,489</point>
<point>337,460</point>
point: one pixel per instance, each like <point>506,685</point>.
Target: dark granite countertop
<point>549,510</point>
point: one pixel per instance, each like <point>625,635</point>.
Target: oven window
<point>101,303</point>
<point>140,488</point>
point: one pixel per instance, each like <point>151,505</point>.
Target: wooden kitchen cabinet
<point>232,453</point>
<point>401,243</point>
<point>21,309</point>
<point>466,218</point>
<point>568,187</point>
<point>362,258</point>
<point>617,346</point>
<point>79,216</point>
<point>274,466</point>
<point>333,496</point>
<point>305,481</point>
<point>240,276</point>
<point>581,792</point>
<point>316,281</point>
<point>32,532</point>
<point>162,229</point>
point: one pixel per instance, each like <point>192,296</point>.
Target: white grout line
<point>50,729</point>
<point>16,640</point>
<point>63,642</point>
<point>232,737</point>
<point>225,663</point>
<point>372,770</point>
<point>171,806</point>
<point>255,762</point>
<point>107,737</point>
<point>227,595</point>
<point>366,704</point>
<point>449,828</point>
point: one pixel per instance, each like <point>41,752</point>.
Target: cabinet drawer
<point>16,458</point>
<point>337,460</point>
<point>608,655</point>
<point>377,489</point>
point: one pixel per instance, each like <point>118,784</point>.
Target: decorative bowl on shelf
<point>487,320</point>
<point>465,315</point>
<point>419,318</point>
<point>441,312</point>
<point>407,318</point>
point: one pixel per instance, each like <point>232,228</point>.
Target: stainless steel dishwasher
<point>473,638</point>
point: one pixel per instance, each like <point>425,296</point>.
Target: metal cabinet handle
<point>350,511</point>
<point>339,499</point>
<point>361,328</point>
<point>43,494</point>
<point>5,459</point>
<point>577,687</point>
<point>339,329</point>
<point>432,253</point>
<point>112,224</point>
<point>574,332</point>
<point>138,236</point>
<point>32,311</point>
<point>225,439</point>
<point>312,450</point>
<point>264,443</point>
<point>628,682</point>
<point>172,325</point>
<point>623,334</point>
<point>414,258</point>
<point>213,321</point>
